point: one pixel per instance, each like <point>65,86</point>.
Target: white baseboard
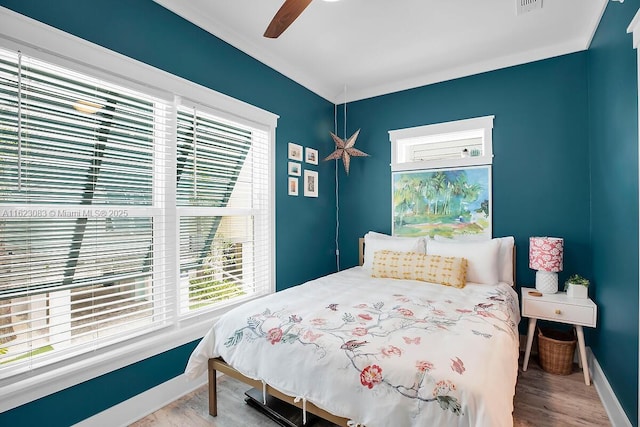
<point>616,414</point>
<point>131,410</point>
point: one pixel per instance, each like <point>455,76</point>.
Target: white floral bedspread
<point>380,352</point>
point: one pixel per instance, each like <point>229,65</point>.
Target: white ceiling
<point>355,49</point>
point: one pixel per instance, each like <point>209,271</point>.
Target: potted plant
<point>577,286</point>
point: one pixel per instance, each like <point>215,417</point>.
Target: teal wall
<point>613,134</point>
<point>145,31</point>
<point>540,145</point>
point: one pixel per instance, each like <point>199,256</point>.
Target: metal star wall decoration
<point>345,150</point>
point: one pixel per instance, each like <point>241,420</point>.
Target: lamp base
<point>547,282</point>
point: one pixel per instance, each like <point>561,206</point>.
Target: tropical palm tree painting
<point>445,202</point>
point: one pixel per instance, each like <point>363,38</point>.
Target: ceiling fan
<point>285,16</point>
<point>288,12</point>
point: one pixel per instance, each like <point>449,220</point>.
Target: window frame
<point>398,136</point>
<point>46,43</point>
<point>188,210</point>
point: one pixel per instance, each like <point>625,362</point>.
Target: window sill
<point>40,382</point>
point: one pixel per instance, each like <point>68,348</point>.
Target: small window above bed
<point>450,144</point>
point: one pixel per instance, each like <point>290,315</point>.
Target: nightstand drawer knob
<point>558,311</point>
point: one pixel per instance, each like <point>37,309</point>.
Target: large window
<point>122,212</point>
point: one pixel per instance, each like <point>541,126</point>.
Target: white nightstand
<point>559,308</point>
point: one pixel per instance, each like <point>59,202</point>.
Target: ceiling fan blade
<point>285,16</point>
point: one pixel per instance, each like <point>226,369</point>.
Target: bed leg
<point>213,393</point>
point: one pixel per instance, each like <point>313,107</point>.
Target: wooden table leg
<point>527,352</point>
<point>583,354</point>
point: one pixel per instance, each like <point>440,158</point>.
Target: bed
<point>361,350</point>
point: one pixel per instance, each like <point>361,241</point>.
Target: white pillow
<point>482,257</point>
<point>505,254</point>
<point>374,242</point>
<point>505,259</point>
<point>421,245</point>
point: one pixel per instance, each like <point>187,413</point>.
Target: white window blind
<point>115,224</point>
<point>223,206</point>
<point>81,167</point>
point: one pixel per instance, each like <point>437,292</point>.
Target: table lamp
<point>545,256</point>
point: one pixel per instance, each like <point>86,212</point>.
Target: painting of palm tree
<point>445,202</point>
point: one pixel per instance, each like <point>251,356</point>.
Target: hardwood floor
<point>546,400</point>
<point>542,400</point>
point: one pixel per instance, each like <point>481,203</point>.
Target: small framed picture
<point>311,156</point>
<point>293,186</point>
<point>295,169</point>
<point>310,183</point>
<point>295,152</point>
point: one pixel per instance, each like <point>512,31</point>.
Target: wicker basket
<point>556,349</point>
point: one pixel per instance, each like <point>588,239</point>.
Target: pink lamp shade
<point>545,253</point>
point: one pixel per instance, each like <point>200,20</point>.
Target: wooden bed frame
<point>218,364</point>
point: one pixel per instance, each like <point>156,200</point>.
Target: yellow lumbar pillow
<point>448,271</point>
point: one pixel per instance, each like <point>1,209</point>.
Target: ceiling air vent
<point>525,6</point>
